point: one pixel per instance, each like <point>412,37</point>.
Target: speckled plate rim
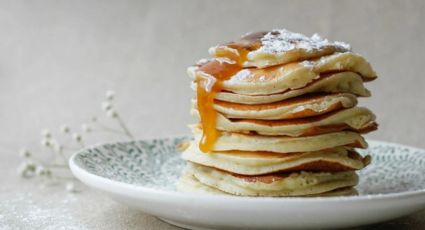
<point>117,187</point>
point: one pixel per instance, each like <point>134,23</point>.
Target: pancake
<point>303,106</point>
<point>278,79</point>
<point>342,82</point>
<point>347,191</point>
<point>276,47</point>
<point>276,116</point>
<point>279,144</point>
<point>287,184</point>
<point>357,119</point>
<point>258,163</point>
<point>189,184</point>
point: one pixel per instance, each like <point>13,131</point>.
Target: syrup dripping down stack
<point>278,116</point>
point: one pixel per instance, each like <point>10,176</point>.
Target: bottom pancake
<point>288,184</point>
<point>189,184</point>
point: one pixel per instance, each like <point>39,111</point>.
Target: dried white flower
<point>45,133</point>
<point>77,137</point>
<point>110,95</point>
<point>70,187</point>
<point>26,169</point>
<point>30,165</point>
<point>112,113</point>
<point>25,153</point>
<point>40,170</point>
<point>57,147</point>
<point>106,106</point>
<point>65,129</point>
<point>46,169</point>
<point>86,128</point>
<point>45,143</point>
<point>22,168</point>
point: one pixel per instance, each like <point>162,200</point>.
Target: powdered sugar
<point>23,212</point>
<point>242,75</point>
<point>307,63</point>
<point>278,41</point>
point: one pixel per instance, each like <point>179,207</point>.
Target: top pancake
<point>262,49</point>
<point>278,79</point>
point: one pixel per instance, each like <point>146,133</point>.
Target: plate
<point>142,174</point>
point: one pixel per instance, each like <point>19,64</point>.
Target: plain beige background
<point>58,57</point>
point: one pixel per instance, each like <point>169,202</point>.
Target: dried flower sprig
<point>55,168</point>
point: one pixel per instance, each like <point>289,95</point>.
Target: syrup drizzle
<point>209,80</point>
<point>228,61</point>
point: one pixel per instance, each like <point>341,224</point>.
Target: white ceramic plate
<point>142,174</point>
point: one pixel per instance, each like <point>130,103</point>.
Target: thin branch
<point>124,127</point>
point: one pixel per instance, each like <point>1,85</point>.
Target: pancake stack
<point>278,117</point>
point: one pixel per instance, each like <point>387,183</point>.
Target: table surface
<point>57,58</point>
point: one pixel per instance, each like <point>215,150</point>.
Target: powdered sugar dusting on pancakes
<point>242,75</point>
<point>279,41</point>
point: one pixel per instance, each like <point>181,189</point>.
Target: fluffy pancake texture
<point>276,115</point>
<point>357,119</point>
<point>293,184</point>
<point>304,106</point>
<point>258,163</point>
<point>282,144</point>
<point>296,75</point>
<point>342,82</point>
<point>189,184</point>
<point>276,47</point>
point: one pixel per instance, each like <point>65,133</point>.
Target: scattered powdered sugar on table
<point>278,41</point>
<point>23,212</point>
